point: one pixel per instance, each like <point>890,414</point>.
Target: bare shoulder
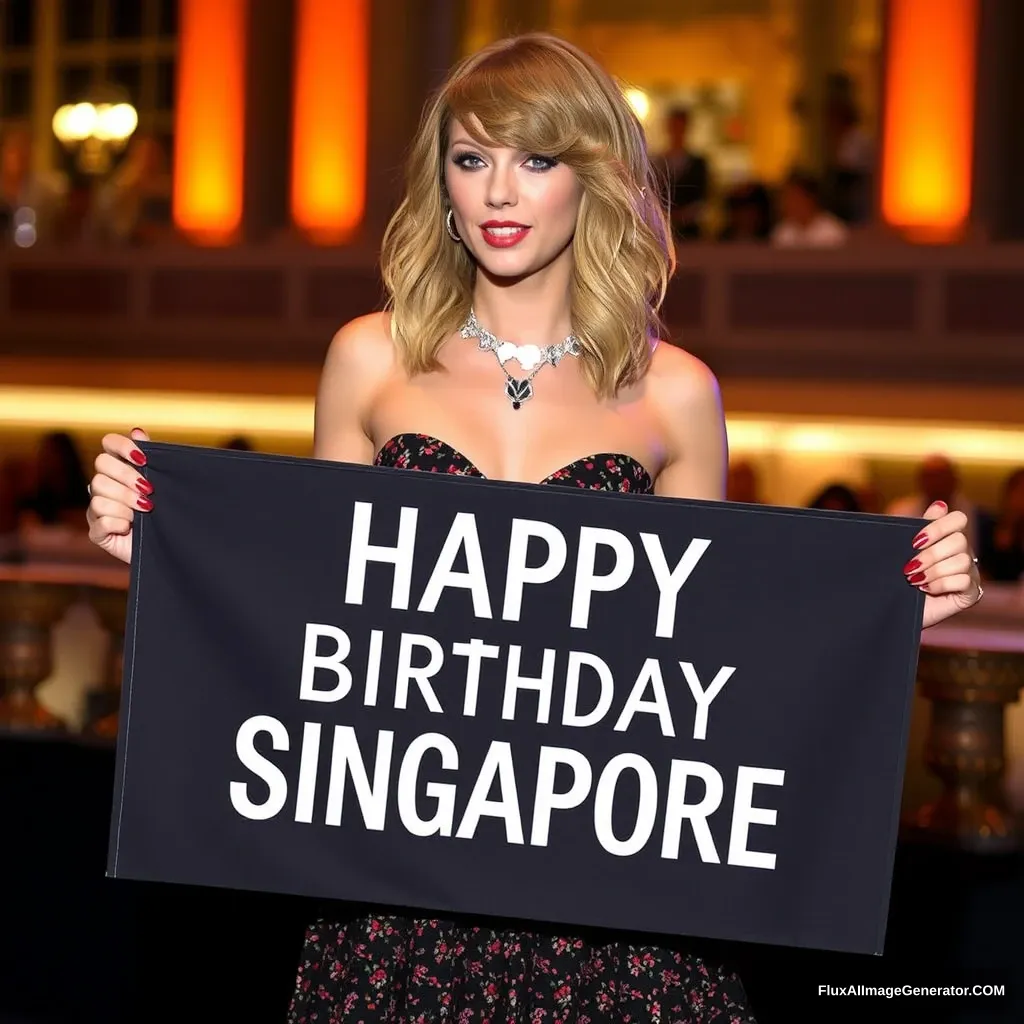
<point>363,345</point>
<point>360,359</point>
<point>686,402</point>
<point>680,383</point>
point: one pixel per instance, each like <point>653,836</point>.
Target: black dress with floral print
<point>370,968</point>
<point>604,472</point>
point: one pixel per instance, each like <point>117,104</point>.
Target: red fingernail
<point>942,503</point>
<point>919,541</point>
<point>137,457</point>
<point>918,577</point>
<point>913,564</point>
<point>144,503</point>
<point>143,486</point>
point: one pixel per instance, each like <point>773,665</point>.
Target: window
<point>16,94</point>
<point>167,18</point>
<point>75,83</point>
<point>79,21</point>
<point>126,19</point>
<point>128,75</point>
<point>18,27</point>
<point>16,37</point>
<point>129,45</point>
<point>165,85</point>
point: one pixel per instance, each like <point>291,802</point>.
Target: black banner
<point>537,702</point>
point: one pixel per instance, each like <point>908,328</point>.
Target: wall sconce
<point>95,132</point>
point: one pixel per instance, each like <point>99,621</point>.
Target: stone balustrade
<point>877,310</point>
<point>36,602</point>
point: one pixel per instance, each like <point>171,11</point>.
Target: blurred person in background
<point>58,490</point>
<point>10,491</point>
<point>804,223</point>
<point>132,206</point>
<point>686,178</point>
<point>1001,536</point>
<point>870,499</point>
<point>937,480</point>
<point>528,180</point>
<point>10,495</point>
<point>743,483</point>
<point>748,214</point>
<point>836,497</point>
<point>850,156</point>
<point>32,203</point>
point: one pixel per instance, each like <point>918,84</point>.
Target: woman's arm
<point>688,405</point>
<point>359,361</point>
<point>686,393</point>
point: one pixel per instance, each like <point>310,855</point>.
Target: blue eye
<point>542,163</point>
<point>468,161</point>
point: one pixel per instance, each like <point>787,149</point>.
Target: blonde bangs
<point>538,94</point>
<point>518,108</point>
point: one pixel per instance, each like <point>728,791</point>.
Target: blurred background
<point>192,195</point>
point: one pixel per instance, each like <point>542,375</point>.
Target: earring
<point>449,223</point>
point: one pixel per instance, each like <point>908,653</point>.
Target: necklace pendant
<point>518,391</point>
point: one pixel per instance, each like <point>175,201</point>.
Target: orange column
<point>928,117</point>
<point>210,119</point>
<point>329,143</point>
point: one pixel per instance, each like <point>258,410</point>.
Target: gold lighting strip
<point>157,411</point>
<point>910,439</point>
<point>183,413</point>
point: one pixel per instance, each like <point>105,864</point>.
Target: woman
<point>836,497</point>
<point>1001,537</point>
<point>531,215</point>
<point>58,495</point>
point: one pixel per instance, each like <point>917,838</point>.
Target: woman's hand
<point>118,491</point>
<point>943,565</point>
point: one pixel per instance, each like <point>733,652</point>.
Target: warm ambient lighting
<point>269,416</point>
<point>928,120</point>
<point>895,439</point>
<point>209,120</point>
<point>107,122</point>
<point>95,132</point>
<point>157,411</point>
<point>639,101</point>
<point>329,139</point>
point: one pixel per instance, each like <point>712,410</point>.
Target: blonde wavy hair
<point>538,94</point>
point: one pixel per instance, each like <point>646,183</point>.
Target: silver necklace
<point>531,358</point>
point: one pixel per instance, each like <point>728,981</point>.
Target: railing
<point>35,602</point>
<point>965,773</point>
<point>871,311</point>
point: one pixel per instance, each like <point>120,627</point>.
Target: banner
<point>559,705</point>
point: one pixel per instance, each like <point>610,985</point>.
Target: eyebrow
<point>463,140</point>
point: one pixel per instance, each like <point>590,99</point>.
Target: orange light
<point>928,137</point>
<point>209,119</point>
<point>328,193</point>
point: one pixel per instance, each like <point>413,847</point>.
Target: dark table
<point>77,948</point>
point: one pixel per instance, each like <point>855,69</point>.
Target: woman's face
<point>515,212</point>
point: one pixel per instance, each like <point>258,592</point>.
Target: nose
<point>501,188</point>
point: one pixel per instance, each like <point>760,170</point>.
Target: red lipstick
<point>503,234</point>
